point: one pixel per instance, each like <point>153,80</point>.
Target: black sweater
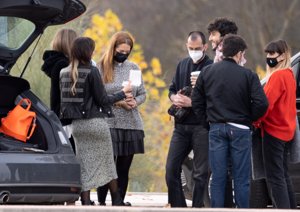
<point>54,61</point>
<point>228,92</point>
<point>182,79</point>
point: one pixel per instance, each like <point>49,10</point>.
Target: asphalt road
<point>140,199</point>
<point>141,202</point>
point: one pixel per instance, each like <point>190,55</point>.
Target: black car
<point>43,170</point>
<point>259,196</point>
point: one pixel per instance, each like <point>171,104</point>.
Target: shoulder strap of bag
<point>32,127</point>
<point>28,102</point>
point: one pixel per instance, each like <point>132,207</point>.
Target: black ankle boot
<point>101,194</point>
<point>89,202</point>
<point>127,204</point>
<point>116,199</point>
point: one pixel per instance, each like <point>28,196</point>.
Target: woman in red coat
<point>279,123</point>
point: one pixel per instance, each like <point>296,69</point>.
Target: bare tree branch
<point>288,17</point>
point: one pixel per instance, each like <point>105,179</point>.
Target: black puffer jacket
<point>90,99</point>
<point>54,61</point>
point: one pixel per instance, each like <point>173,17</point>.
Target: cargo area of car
<point>10,90</point>
<point>36,172</point>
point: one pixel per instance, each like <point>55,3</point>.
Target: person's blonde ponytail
<point>74,75</point>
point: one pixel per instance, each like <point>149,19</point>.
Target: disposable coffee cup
<point>124,83</point>
<point>195,73</point>
<point>194,76</point>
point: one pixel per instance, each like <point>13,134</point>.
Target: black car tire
<point>259,197</point>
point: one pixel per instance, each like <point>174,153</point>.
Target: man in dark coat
<point>190,133</point>
<point>231,98</point>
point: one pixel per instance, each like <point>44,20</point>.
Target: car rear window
<point>14,31</point>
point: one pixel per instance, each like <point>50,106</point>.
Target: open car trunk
<point>44,169</point>
<point>14,87</point>
<point>47,173</point>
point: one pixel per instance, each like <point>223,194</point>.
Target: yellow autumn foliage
<point>147,172</point>
<point>154,93</point>
<point>148,78</point>
<point>103,28</point>
<point>155,64</point>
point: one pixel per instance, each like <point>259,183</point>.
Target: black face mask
<point>120,58</point>
<point>272,62</point>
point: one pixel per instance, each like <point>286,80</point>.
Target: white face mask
<point>196,55</point>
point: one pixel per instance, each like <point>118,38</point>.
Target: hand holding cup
<point>127,88</point>
<point>194,77</point>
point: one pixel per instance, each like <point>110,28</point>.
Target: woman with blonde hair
<point>85,101</point>
<point>279,123</point>
<point>55,60</point>
<point>126,126</point>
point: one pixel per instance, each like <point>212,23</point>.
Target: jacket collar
<point>229,60</point>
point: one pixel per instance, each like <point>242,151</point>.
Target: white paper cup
<point>195,73</point>
<point>124,83</point>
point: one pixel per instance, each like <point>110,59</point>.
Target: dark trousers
<point>275,161</point>
<point>186,138</point>
<point>123,164</point>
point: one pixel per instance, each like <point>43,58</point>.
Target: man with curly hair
<point>217,29</point>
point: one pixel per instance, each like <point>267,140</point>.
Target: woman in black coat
<point>54,61</point>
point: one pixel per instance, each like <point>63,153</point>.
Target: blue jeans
<point>186,138</point>
<point>225,138</point>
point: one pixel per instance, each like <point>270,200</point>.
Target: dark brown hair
<point>233,44</point>
<point>280,47</point>
<point>223,25</point>
<point>82,49</point>
<point>81,52</point>
<point>195,34</point>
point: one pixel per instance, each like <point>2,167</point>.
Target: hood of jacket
<point>51,58</point>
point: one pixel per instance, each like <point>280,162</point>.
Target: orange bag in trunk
<point>19,121</point>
